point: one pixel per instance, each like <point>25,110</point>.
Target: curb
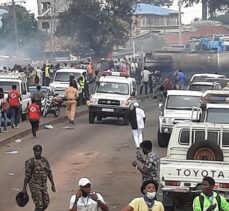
<point>26,132</point>
<point>56,121</point>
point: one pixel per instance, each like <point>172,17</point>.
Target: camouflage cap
<point>37,148</point>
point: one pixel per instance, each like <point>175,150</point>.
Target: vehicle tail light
<point>223,185</point>
<point>172,183</point>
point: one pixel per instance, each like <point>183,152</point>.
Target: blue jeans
<point>4,117</point>
<point>15,115</point>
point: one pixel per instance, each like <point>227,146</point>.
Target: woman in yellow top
<point>148,201</point>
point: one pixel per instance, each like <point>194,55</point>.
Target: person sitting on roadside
<point>148,201</point>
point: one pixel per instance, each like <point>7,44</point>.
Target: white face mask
<point>150,195</point>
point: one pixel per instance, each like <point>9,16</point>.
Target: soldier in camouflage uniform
<point>37,170</point>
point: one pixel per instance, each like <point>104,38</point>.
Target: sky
<point>188,13</point>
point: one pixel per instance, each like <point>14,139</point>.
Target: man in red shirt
<point>34,116</point>
<point>14,99</point>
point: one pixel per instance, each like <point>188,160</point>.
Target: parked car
<point>204,86</point>
<point>204,76</point>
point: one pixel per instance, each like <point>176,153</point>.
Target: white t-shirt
<point>145,75</point>
<point>86,203</point>
<point>140,115</point>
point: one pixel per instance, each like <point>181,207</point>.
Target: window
<point>184,137</point>
<point>113,88</point>
<point>225,139</point>
<point>218,115</point>
<point>23,88</point>
<point>45,25</point>
<point>213,136</point>
<point>182,102</point>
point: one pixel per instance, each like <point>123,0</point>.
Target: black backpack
<point>218,199</point>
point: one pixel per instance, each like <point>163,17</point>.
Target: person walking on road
<point>85,200</point>
<point>145,80</point>
<point>38,96</point>
<point>71,95</point>
<point>37,170</point>
<point>150,164</point>
<point>209,200</point>
<point>3,109</point>
<point>148,202</point>
<point>137,120</point>
<point>14,99</point>
<point>34,115</point>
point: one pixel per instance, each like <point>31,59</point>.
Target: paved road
<point>102,151</point>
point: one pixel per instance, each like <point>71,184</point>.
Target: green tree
<point>223,18</point>
<point>30,39</point>
<point>97,26</point>
<point>213,6</point>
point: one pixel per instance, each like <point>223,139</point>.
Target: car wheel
<point>205,150</point>
<point>57,112</point>
<point>91,118</point>
<point>162,139</point>
<point>99,118</point>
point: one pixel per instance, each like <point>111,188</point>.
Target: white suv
<point>113,97</point>
<point>61,79</point>
<point>20,80</point>
<point>177,108</point>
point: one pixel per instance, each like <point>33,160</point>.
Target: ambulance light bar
<point>111,73</point>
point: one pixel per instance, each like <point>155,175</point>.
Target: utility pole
<point>180,23</point>
<point>15,25</point>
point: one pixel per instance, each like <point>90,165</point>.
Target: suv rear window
<point>225,139</point>
<point>198,136</point>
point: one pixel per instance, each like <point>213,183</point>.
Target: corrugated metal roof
<point>151,9</point>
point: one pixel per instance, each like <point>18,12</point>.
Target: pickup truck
<point>176,108</point>
<point>113,96</point>
<point>195,150</point>
<point>214,107</point>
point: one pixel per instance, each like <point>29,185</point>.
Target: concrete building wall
<point>48,11</point>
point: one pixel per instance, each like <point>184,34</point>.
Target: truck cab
<point>20,80</point>
<point>177,108</point>
<point>195,150</point>
<point>113,96</point>
<point>214,107</point>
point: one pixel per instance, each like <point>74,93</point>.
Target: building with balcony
<point>155,19</point>
<point>48,11</point>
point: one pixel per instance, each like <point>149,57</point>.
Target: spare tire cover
<point>205,150</point>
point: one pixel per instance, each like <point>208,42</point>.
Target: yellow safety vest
<point>82,83</point>
<point>47,72</point>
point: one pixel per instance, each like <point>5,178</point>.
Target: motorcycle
<point>51,105</point>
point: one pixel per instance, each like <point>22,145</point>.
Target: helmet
<point>22,199</point>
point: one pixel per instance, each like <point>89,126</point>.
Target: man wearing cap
<point>137,120</point>
<point>84,199</point>
<point>37,170</point>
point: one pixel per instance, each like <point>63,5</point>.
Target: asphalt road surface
<point>102,152</point>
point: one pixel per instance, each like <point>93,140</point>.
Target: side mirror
<point>196,114</point>
<point>133,93</point>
